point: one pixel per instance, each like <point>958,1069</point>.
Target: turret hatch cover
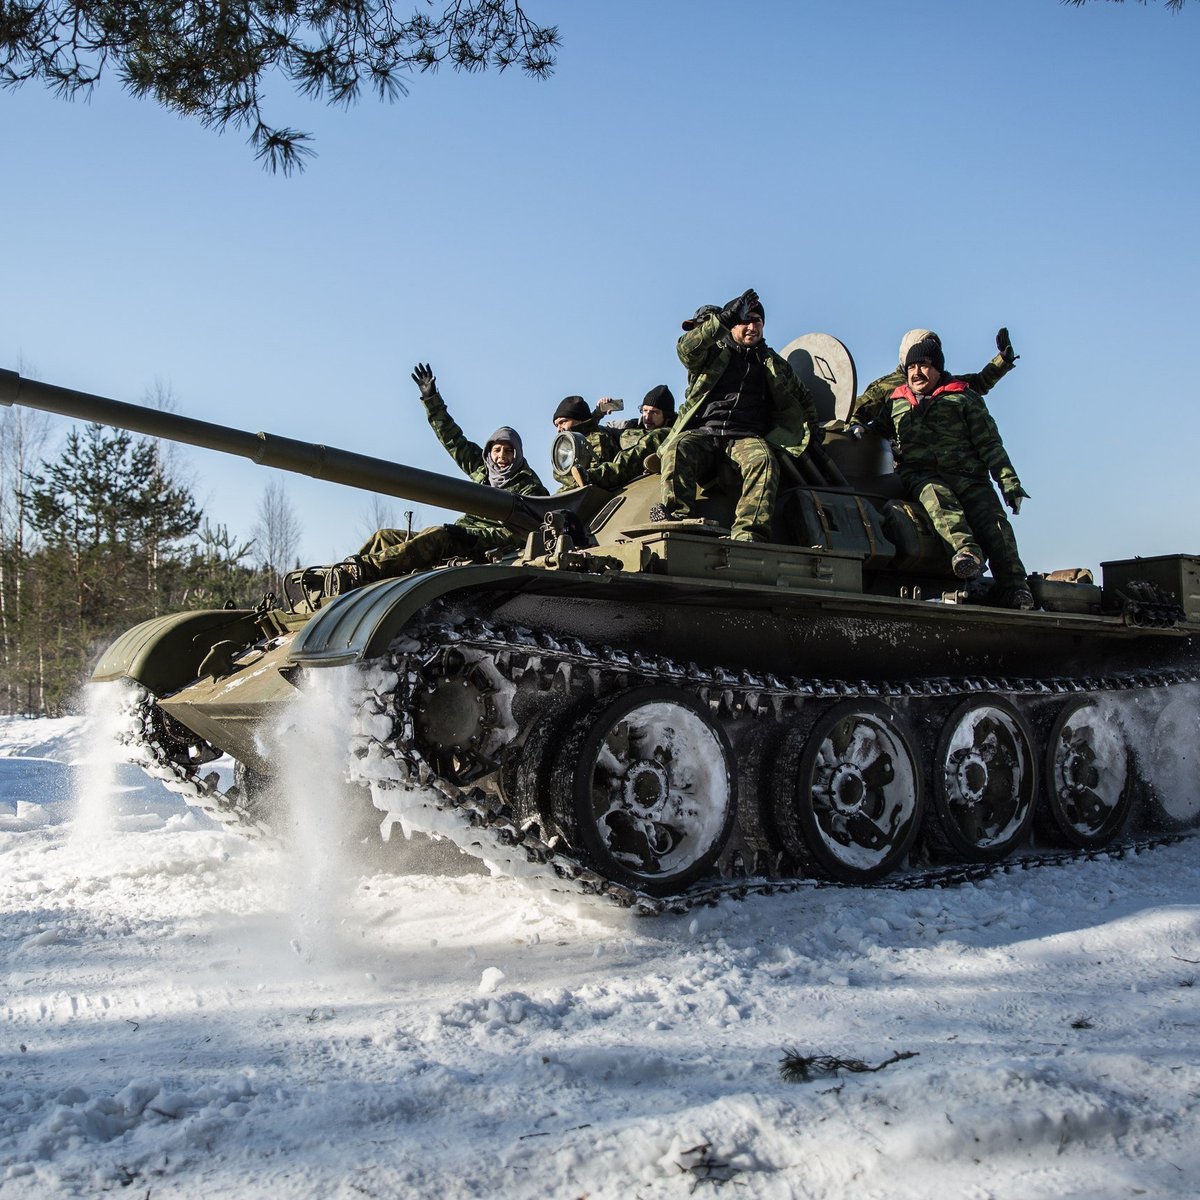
<point>826,369</point>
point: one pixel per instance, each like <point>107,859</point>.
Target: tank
<point>654,713</point>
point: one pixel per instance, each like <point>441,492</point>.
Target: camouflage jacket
<point>705,352</point>
<point>469,457</point>
<point>605,444</point>
<point>948,434</point>
<point>632,434</point>
<point>866,407</point>
<point>630,462</point>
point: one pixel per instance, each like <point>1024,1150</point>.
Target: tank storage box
<point>1176,574</point>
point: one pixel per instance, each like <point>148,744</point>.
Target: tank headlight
<point>570,450</point>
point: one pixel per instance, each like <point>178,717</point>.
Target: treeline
<point>102,535</point>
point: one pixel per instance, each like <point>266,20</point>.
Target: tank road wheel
<point>984,781</point>
<point>1170,765</point>
<point>1090,778</point>
<point>848,795</point>
<point>644,787</point>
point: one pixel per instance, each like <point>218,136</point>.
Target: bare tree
<point>276,533</point>
<point>381,513</point>
<point>209,58</point>
<point>23,435</point>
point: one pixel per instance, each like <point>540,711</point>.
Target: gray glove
<point>1013,495</point>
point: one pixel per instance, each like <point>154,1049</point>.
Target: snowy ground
<point>185,1014</point>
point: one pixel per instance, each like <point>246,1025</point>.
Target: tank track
<point>141,731</point>
<point>387,757</point>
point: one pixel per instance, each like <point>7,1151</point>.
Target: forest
<point>100,533</point>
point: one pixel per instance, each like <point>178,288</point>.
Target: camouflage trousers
<point>391,552</point>
<point>968,514</point>
<point>695,456</point>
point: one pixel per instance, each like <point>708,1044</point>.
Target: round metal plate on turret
<point>826,369</point>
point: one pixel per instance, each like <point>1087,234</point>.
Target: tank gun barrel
<point>520,513</point>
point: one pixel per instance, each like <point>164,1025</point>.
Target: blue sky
<point>868,167</point>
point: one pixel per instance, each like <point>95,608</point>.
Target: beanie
<point>660,397</point>
<point>928,351</point>
<point>912,337</point>
<point>574,408</point>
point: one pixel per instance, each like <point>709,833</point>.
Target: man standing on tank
<point>875,395</point>
<point>743,403</point>
<point>573,416</point>
<point>949,446</point>
<point>499,463</point>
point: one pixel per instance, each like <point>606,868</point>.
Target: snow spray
<point>309,746</point>
<point>106,705</point>
<point>1163,738</point>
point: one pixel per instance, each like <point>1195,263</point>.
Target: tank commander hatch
<point>499,463</point>
<point>949,446</point>
<point>743,403</point>
<point>876,394</point>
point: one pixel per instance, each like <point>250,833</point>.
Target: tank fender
<point>362,623</point>
<point>165,652</point>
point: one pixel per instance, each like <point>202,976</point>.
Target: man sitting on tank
<point>639,437</point>
<point>499,463</point>
<point>949,445</point>
<point>573,415</point>
<point>743,403</point>
<point>875,395</point>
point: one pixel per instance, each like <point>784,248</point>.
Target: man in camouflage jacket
<point>639,437</point>
<point>874,395</point>
<point>573,415</point>
<point>500,462</point>
<point>949,446</point>
<point>743,404</point>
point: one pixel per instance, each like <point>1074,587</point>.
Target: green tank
<point>655,713</point>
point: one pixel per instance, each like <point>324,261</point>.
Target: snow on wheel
<point>984,781</point>
<point>644,787</point>
<point>1090,776</point>
<point>1172,758</point>
<point>848,792</point>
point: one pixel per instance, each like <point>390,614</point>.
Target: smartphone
<point>616,405</point>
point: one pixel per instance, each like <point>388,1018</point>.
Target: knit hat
<point>757,307</point>
<point>912,337</point>
<point>660,397</point>
<point>703,312</point>
<point>928,351</point>
<point>574,408</point>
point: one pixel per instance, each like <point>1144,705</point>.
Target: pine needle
<point>795,1067</point>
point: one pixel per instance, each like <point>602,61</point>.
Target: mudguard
<point>165,653</point>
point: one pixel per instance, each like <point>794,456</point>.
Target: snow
<point>187,1014</point>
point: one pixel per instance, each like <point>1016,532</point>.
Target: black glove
<point>1004,345</point>
<point>422,376</point>
<point>738,309</point>
<point>856,431</point>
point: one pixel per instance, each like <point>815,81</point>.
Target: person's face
<point>504,454</point>
<point>562,424</point>
<point>923,378</point>
<point>652,418</point>
<point>748,334</point>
